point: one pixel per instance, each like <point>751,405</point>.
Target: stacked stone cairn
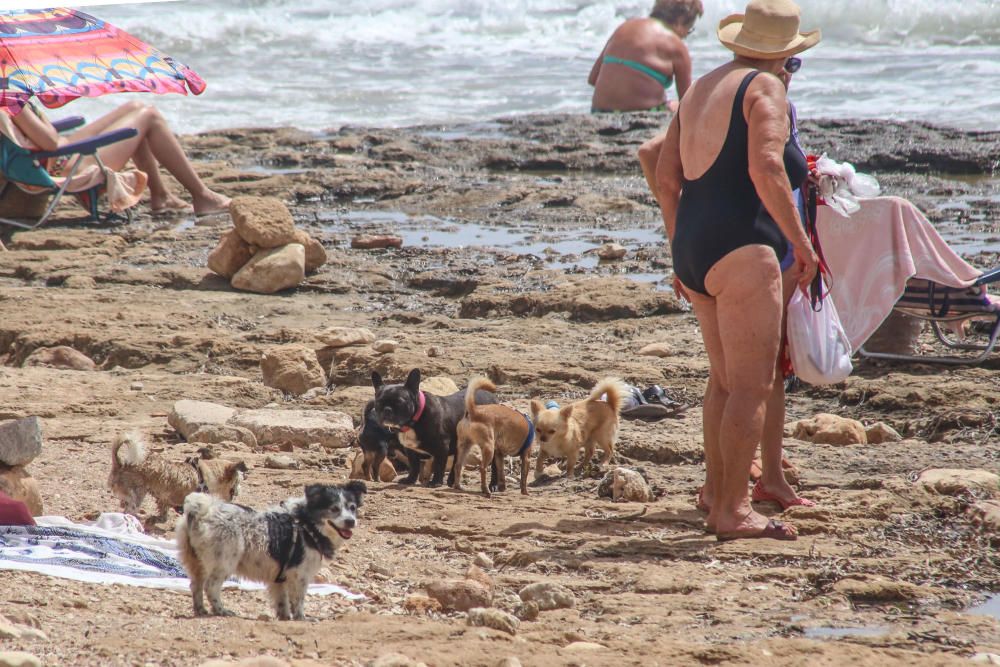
<point>20,444</point>
<point>265,252</point>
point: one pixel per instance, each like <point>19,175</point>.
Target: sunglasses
<point>793,64</point>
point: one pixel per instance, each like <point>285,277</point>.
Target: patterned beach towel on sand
<point>115,554</point>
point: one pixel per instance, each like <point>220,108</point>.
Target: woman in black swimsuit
<point>729,213</point>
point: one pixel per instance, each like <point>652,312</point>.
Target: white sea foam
<point>319,64</point>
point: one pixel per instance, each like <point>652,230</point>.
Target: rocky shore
<point>496,272</point>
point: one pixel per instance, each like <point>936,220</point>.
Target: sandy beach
<point>497,275</point>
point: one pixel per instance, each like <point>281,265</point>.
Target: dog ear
<point>413,380</point>
<point>536,409</point>
<point>376,380</point>
<point>358,488</point>
<point>316,496</point>
<point>566,413</point>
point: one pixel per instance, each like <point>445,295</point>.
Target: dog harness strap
<point>317,540</point>
<point>421,404</point>
<point>287,557</point>
<point>202,486</point>
<point>531,435</point>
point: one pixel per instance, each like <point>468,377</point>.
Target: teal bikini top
<point>659,77</point>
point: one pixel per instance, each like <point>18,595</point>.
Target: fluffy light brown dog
<point>135,472</point>
<point>499,431</point>
<point>588,423</point>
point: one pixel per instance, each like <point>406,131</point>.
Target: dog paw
<point>200,611</point>
<point>434,484</point>
<point>222,611</point>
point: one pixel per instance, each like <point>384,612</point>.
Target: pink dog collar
<point>421,404</point>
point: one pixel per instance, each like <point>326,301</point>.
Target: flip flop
<point>759,495</point>
<point>209,214</point>
<point>774,530</point>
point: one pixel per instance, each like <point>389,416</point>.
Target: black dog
<point>377,443</point>
<point>424,423</point>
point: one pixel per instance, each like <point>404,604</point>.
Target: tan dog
<point>135,472</point>
<point>588,423</point>
<point>499,431</point>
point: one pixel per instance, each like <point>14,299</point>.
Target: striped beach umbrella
<point>58,55</point>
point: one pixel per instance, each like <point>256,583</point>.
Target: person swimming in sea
<point>643,58</point>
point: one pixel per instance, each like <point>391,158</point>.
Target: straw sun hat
<point>769,30</point>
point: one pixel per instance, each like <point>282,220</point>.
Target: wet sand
<point>498,275</point>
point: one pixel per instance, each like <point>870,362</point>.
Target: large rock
<point>439,385</point>
<point>880,433</point>
<point>293,369</point>
<point>20,441</point>
<point>656,350</point>
<point>345,336</point>
<point>187,417</point>
<point>263,221</point>
<point>548,595</point>
<point>459,594</point>
<point>315,252</point>
<point>19,659</point>
<point>17,483</point>
<point>625,484</point>
<point>297,428</point>
<point>955,482</point>
<point>230,255</point>
<point>61,356</point>
<point>493,618</point>
<point>213,434</point>
<point>827,429</point>
<point>986,515</point>
<point>273,270</point>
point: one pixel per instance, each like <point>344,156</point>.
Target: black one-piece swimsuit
<point>721,211</point>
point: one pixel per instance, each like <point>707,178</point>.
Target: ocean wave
<point>318,64</point>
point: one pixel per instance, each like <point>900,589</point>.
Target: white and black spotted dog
<point>282,546</point>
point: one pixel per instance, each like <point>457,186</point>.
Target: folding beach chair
<point>949,308</point>
<point>24,169</point>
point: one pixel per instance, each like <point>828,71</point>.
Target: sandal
<point>759,495</point>
<point>774,530</point>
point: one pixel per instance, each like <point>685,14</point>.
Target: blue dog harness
<point>531,435</point>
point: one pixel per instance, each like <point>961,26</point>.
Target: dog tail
<point>134,450</point>
<point>476,384</point>
<point>615,391</point>
<point>196,506</point>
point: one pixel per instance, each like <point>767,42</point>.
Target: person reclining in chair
<point>154,145</point>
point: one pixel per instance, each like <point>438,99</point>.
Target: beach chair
<point>950,308</point>
<point>24,169</point>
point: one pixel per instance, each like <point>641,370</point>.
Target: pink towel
<point>874,252</point>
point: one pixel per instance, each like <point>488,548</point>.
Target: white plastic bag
<point>840,186</point>
<point>817,345</point>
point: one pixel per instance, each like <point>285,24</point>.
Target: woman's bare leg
<point>160,196</point>
<point>716,395</point>
<point>772,473</point>
<point>165,149</point>
<point>746,285</point>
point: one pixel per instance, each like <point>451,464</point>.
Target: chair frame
<point>984,349</point>
<point>82,150</point>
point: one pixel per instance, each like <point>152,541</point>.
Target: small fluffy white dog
<point>282,547</point>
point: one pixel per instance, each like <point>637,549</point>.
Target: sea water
<point>321,64</point>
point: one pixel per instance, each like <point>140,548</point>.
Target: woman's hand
<point>806,264</point>
<point>679,289</point>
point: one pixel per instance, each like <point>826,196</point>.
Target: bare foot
<point>755,525</point>
<point>779,492</point>
<point>167,202</point>
<point>211,203</point>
